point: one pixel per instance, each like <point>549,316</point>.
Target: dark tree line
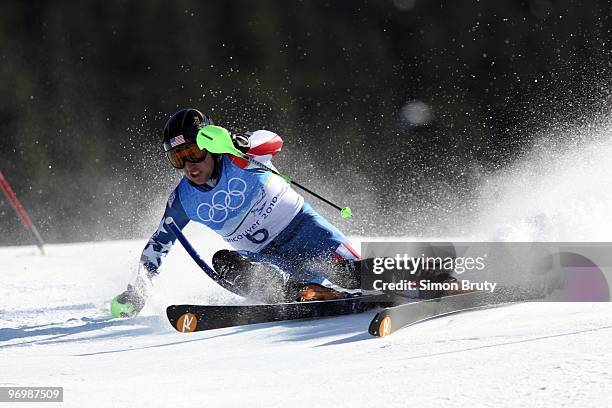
<point>394,107</point>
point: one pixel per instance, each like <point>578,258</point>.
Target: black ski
<point>189,318</point>
<point>395,318</point>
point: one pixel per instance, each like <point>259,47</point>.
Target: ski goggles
<point>190,152</point>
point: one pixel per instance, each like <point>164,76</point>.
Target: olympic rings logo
<point>222,201</point>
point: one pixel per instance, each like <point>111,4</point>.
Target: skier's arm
<point>132,300</point>
<point>261,145</point>
<point>162,239</point>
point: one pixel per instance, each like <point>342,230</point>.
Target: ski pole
<point>196,257</point>
<point>344,212</point>
<point>216,139</point>
<point>10,194</point>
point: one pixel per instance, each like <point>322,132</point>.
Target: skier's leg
<point>311,247</point>
<point>259,276</point>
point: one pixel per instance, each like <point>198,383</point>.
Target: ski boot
<point>263,281</point>
<point>314,291</point>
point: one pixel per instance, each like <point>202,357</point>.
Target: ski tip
<point>183,321</point>
<point>187,323</point>
<point>384,327</point>
<point>381,326</point>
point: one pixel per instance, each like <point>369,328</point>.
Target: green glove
<point>128,303</point>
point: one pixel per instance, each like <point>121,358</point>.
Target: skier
<point>283,250</point>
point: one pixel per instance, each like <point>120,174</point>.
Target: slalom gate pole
<point>194,255</point>
<point>10,194</point>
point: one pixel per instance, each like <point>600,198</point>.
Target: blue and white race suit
<point>257,213</point>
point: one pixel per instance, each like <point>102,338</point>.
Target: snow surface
<point>55,331</point>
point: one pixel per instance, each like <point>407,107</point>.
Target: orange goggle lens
<point>180,155</point>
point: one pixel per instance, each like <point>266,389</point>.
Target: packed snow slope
<point>55,331</point>
<point>55,328</point>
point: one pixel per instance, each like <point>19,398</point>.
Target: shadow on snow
<point>57,332</point>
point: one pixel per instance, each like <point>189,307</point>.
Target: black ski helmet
<point>183,127</point>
